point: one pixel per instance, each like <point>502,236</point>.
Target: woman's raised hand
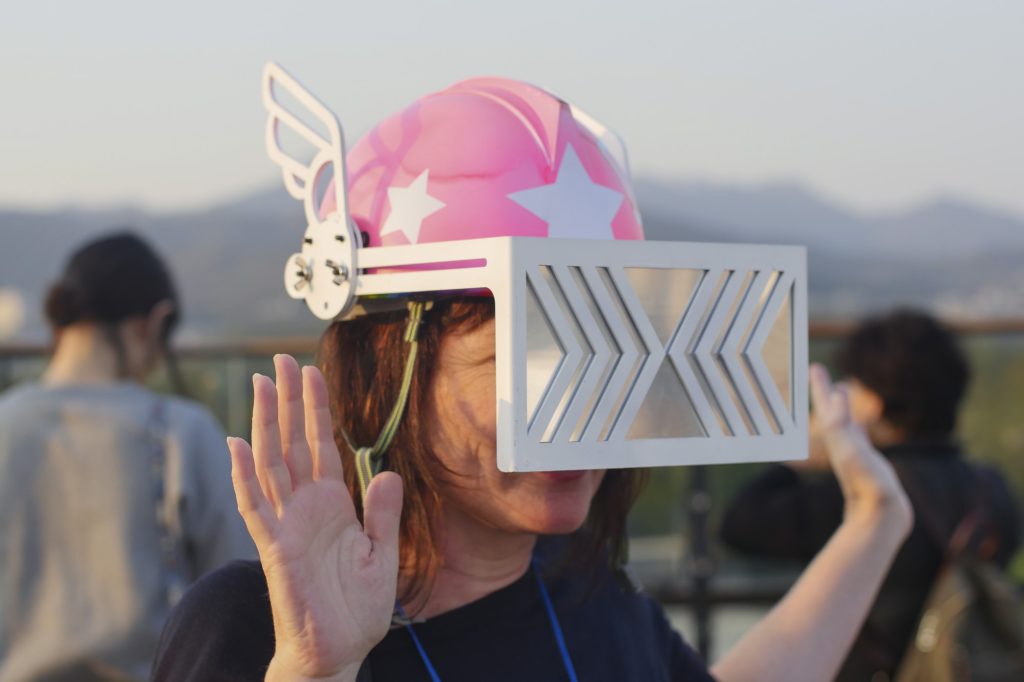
<point>332,581</point>
<point>869,483</point>
<point>817,620</point>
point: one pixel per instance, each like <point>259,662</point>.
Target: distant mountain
<point>228,261</point>
<point>789,213</point>
<point>950,255</point>
<point>954,256</point>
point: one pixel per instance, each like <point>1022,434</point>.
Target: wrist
<point>889,516</point>
<point>281,671</point>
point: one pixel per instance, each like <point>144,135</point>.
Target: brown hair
<point>362,361</point>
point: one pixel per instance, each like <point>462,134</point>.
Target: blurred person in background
<point>906,377</point>
<point>113,497</point>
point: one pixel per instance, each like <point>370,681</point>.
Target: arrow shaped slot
<point>577,353</point>
<point>774,320</point>
<point>599,365</point>
<point>745,391</point>
<point>545,353</point>
<point>707,354</point>
<point>693,322</point>
<point>760,302</point>
<point>627,366</point>
<point>730,305</point>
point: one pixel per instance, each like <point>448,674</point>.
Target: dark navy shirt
<point>223,630</point>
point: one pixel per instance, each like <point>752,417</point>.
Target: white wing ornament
<point>323,273</point>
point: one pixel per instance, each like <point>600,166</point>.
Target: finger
<point>844,416</point>
<point>319,431</point>
<point>840,400</point>
<point>293,429</point>
<point>821,388</point>
<point>382,513</point>
<point>266,443</point>
<point>252,504</point>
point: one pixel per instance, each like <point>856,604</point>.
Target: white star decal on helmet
<point>573,205</point>
<point>409,207</point>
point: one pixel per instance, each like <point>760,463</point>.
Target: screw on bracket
<point>304,273</point>
<point>340,272</point>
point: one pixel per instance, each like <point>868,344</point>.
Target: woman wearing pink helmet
<point>443,567</point>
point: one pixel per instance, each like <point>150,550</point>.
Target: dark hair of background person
<point>914,364</point>
<point>363,361</point>
<point>111,279</point>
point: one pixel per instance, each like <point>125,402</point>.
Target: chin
<point>553,525</point>
<point>562,526</point>
<point>558,512</point>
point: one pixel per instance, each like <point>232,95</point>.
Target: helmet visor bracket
<point>628,354</point>
<point>609,354</point>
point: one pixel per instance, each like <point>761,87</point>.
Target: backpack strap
<point>964,536</point>
<point>988,589</point>
<point>950,547</point>
<point>172,549</point>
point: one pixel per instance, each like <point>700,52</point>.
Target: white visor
<point>609,354</point>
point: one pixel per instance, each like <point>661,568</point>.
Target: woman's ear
<point>157,319</point>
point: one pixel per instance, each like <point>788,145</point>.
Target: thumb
<point>382,513</point>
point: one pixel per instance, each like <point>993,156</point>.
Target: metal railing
<point>698,585</point>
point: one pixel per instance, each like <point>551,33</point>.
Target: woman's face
<point>462,411</point>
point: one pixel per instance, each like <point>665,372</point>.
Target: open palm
<point>332,581</point>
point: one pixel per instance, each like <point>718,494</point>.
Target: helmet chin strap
<point>370,460</point>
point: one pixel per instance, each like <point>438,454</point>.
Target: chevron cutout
<point>618,360</point>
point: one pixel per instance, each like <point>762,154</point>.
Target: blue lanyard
<point>559,638</point>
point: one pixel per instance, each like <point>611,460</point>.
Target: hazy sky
<point>877,104</point>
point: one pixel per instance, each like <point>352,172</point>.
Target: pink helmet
<point>488,157</point>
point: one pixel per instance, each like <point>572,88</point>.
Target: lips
<point>561,476</point>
